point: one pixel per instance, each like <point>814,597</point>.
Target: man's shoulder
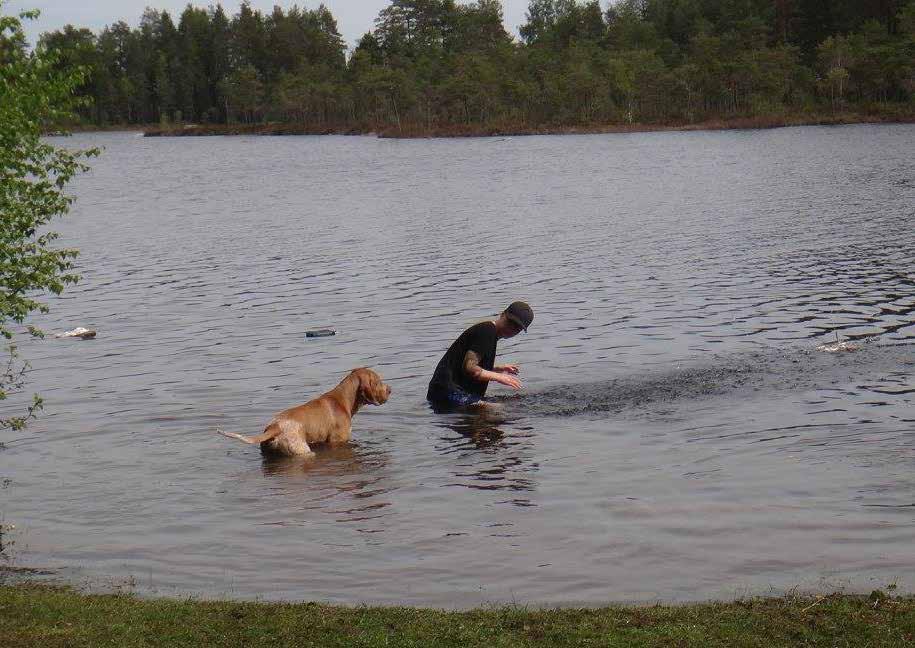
<point>481,328</point>
<point>483,325</point>
<point>482,333</point>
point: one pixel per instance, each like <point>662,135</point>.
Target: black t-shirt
<point>479,338</point>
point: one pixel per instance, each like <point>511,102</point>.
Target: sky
<point>354,17</point>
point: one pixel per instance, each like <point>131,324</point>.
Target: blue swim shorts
<point>454,398</point>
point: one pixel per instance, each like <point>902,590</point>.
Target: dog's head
<point>371,389</point>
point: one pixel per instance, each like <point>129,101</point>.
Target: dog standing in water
<point>326,419</point>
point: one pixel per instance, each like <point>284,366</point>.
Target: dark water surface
<point>678,437</point>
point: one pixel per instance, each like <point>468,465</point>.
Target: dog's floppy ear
<point>380,391</point>
<point>358,375</point>
<point>371,388</point>
<point>363,383</point>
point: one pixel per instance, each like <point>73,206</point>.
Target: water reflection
<point>327,462</point>
<point>494,449</point>
<point>481,425</point>
<point>349,482</point>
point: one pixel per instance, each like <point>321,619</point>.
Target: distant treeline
<point>436,64</point>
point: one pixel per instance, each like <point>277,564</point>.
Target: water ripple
<point>678,436</point>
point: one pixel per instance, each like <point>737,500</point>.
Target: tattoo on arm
<point>472,364</point>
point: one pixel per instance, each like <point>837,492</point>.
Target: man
<point>468,366</point>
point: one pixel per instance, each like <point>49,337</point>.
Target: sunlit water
<point>678,436</point>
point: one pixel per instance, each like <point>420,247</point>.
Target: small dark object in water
<point>320,333</point>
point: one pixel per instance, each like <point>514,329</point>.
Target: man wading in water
<point>468,366</point>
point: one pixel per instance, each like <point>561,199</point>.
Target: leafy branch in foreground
<point>35,94</point>
<point>12,380</point>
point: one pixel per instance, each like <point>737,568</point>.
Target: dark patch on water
<point>734,376</point>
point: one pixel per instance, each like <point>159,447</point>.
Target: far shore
<point>39,615</point>
<point>472,130</point>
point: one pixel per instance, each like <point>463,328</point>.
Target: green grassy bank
<point>34,615</point>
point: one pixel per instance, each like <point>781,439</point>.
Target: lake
<point>678,436</point>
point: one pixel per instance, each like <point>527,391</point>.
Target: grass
<point>39,615</point>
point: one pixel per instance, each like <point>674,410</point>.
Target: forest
<point>440,66</point>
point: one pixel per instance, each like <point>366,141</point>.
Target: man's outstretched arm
<point>473,369</point>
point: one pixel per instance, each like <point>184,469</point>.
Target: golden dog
<point>326,419</point>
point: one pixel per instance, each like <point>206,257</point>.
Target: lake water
<point>678,437</point>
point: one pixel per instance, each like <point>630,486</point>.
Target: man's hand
<point>508,380</point>
<point>502,374</point>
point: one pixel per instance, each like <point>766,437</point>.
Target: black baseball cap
<point>520,313</point>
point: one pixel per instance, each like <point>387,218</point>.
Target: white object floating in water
<point>834,347</point>
<point>320,333</point>
<point>837,346</point>
<point>78,332</point>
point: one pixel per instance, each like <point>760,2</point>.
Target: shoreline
<point>42,615</point>
<point>462,131</point>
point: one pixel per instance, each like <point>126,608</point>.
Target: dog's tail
<point>253,440</point>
